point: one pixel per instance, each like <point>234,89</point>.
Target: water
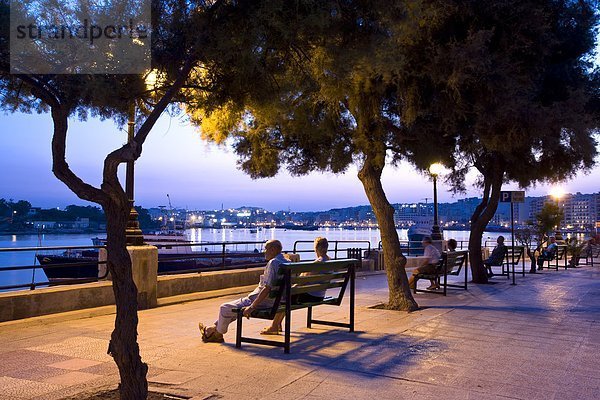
<point>287,238</point>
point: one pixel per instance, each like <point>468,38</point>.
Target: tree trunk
<point>482,215</point>
<point>123,346</point>
<point>400,297</point>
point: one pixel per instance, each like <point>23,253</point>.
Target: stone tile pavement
<point>539,339</point>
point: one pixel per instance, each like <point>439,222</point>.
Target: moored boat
<point>175,255</point>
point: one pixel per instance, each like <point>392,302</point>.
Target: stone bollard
<point>144,264</point>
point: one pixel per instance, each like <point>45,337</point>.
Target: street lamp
<point>557,193</point>
<point>435,169</point>
<point>133,233</point>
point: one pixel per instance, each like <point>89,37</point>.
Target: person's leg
<point>412,281</point>
<point>226,317</point>
<point>488,265</point>
<point>275,326</point>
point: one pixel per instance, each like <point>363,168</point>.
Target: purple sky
<point>195,174</point>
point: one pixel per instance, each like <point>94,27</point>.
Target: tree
<point>329,96</point>
<point>179,29</point>
<point>546,220</point>
<point>512,80</point>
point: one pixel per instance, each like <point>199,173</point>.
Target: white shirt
<point>268,278</point>
<point>432,254</point>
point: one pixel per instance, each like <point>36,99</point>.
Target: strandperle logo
<point>111,37</point>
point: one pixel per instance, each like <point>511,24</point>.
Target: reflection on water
<point>287,238</point>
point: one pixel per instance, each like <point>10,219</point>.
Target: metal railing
<point>67,253</point>
<point>415,248</point>
<point>213,256</point>
<point>66,265</point>
<point>355,248</point>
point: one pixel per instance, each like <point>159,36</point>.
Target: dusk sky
<point>195,174</point>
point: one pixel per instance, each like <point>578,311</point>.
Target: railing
<point>415,248</point>
<point>70,265</point>
<point>53,268</point>
<point>209,256</point>
<point>357,250</point>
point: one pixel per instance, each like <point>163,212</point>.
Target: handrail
<point>335,249</point>
<point>35,267</point>
<point>225,253</point>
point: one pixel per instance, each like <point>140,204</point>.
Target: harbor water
<point>287,237</point>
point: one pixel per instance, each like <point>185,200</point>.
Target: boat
<point>294,227</point>
<point>420,228</point>
<point>176,254</point>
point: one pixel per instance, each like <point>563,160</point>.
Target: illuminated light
<point>436,169</point>
<point>557,192</point>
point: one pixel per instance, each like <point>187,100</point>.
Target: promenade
<point>539,339</point>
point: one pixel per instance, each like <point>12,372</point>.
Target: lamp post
<point>435,170</point>
<point>557,193</point>
<point>134,234</point>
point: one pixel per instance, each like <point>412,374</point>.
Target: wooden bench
<point>559,254</point>
<point>333,274</point>
<point>592,252</point>
<point>451,263</point>
<point>513,257</point>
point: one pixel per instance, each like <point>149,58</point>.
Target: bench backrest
<point>518,253</point>
<point>453,261</point>
<point>318,276</point>
<point>561,250</point>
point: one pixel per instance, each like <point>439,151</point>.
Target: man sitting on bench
<point>321,246</point>
<point>548,253</point>
<point>497,256</point>
<point>258,297</point>
<point>429,266</point>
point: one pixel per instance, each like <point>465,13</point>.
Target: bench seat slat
<point>317,278</point>
<point>311,266</point>
<point>316,288</point>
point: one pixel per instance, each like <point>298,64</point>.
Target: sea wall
<point>57,299</point>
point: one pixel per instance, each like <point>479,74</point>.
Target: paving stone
<point>72,378</point>
<point>536,340</point>
<point>75,364</point>
<point>173,378</point>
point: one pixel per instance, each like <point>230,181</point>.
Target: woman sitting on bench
<point>321,246</point>
<point>497,256</point>
<point>548,253</point>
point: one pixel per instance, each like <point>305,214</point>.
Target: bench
<point>332,274</point>
<point>559,254</point>
<point>513,257</point>
<point>593,251</point>
<point>451,263</point>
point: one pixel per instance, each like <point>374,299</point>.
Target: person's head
<point>500,239</point>
<point>552,239</point>
<point>321,246</point>
<point>452,244</point>
<point>426,241</point>
<point>272,249</point>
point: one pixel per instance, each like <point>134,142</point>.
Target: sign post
<point>515,196</point>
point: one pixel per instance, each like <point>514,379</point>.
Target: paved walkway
<point>539,339</point>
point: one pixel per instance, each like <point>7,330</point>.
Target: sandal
<point>269,331</point>
<point>212,338</point>
<point>202,328</point>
